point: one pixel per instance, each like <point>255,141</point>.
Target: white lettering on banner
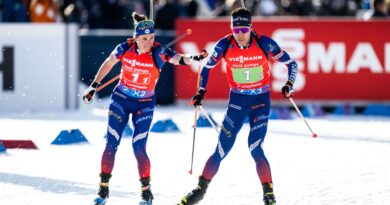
<point>387,57</point>
<point>291,40</point>
<point>320,58</point>
<point>364,56</point>
<point>279,74</point>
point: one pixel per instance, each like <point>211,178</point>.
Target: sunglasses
<point>242,30</point>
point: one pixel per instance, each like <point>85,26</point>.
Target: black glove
<point>90,92</point>
<point>197,99</point>
<point>287,89</point>
<point>202,55</point>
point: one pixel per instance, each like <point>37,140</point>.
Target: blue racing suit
<point>247,99</point>
<point>127,99</point>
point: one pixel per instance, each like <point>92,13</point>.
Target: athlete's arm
<point>213,60</point>
<point>106,67</point>
<point>110,61</point>
<point>272,48</point>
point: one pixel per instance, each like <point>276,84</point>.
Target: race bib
<point>247,75</point>
<point>140,78</point>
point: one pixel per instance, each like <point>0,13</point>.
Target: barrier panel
<point>18,144</point>
<point>38,67</point>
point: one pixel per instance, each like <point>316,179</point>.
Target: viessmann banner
<point>338,60</point>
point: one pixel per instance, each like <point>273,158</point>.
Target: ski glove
<point>197,99</point>
<point>90,92</point>
<point>287,89</point>
<point>202,55</point>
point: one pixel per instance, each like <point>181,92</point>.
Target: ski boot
<point>147,196</point>
<point>197,194</point>
<point>103,189</point>
<point>268,194</point>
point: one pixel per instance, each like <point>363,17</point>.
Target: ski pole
<point>108,82</point>
<point>208,118</point>
<point>193,140</point>
<point>188,32</point>
<point>151,10</point>
<point>303,118</point>
<point>196,116</point>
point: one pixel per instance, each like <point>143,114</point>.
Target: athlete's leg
<point>231,125</point>
<point>142,118</point>
<point>258,117</point>
<point>118,117</point>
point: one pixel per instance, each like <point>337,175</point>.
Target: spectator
<point>112,14</point>
<point>221,8</point>
<point>268,8</point>
<point>44,11</point>
<point>192,8</point>
<point>166,15</point>
<point>380,8</point>
<point>13,11</point>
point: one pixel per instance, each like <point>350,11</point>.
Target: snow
<point>349,163</point>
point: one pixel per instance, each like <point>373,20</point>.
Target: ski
<point>143,202</point>
<point>99,201</point>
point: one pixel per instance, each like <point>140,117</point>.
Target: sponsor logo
<point>239,18</point>
<point>261,117</point>
<point>215,54</point>
<point>139,112</point>
<point>227,132</point>
<point>120,95</point>
<point>259,126</point>
<point>116,116</point>
<point>148,109</point>
<point>271,47</point>
<point>7,70</point>
<point>242,59</point>
<point>148,117</point>
<point>137,63</point>
<point>254,107</point>
<point>235,106</point>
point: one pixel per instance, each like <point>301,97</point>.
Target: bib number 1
<point>141,78</point>
<point>247,75</point>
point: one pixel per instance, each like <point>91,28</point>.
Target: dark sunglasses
<point>243,30</point>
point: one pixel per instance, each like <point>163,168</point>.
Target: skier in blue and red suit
<point>142,59</point>
<point>247,56</point>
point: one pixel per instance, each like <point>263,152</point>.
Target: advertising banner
<point>38,67</point>
<point>338,60</point>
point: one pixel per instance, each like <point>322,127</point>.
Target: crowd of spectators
<point>114,14</point>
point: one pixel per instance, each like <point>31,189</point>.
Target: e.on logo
<point>326,59</point>
<point>7,68</point>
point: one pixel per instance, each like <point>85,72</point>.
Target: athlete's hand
<point>202,55</point>
<point>198,97</point>
<point>287,89</point>
<point>90,92</point>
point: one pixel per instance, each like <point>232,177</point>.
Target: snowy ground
<point>348,164</point>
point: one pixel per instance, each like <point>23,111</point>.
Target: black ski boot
<point>268,194</point>
<point>147,196</point>
<point>197,194</point>
<point>103,189</point>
